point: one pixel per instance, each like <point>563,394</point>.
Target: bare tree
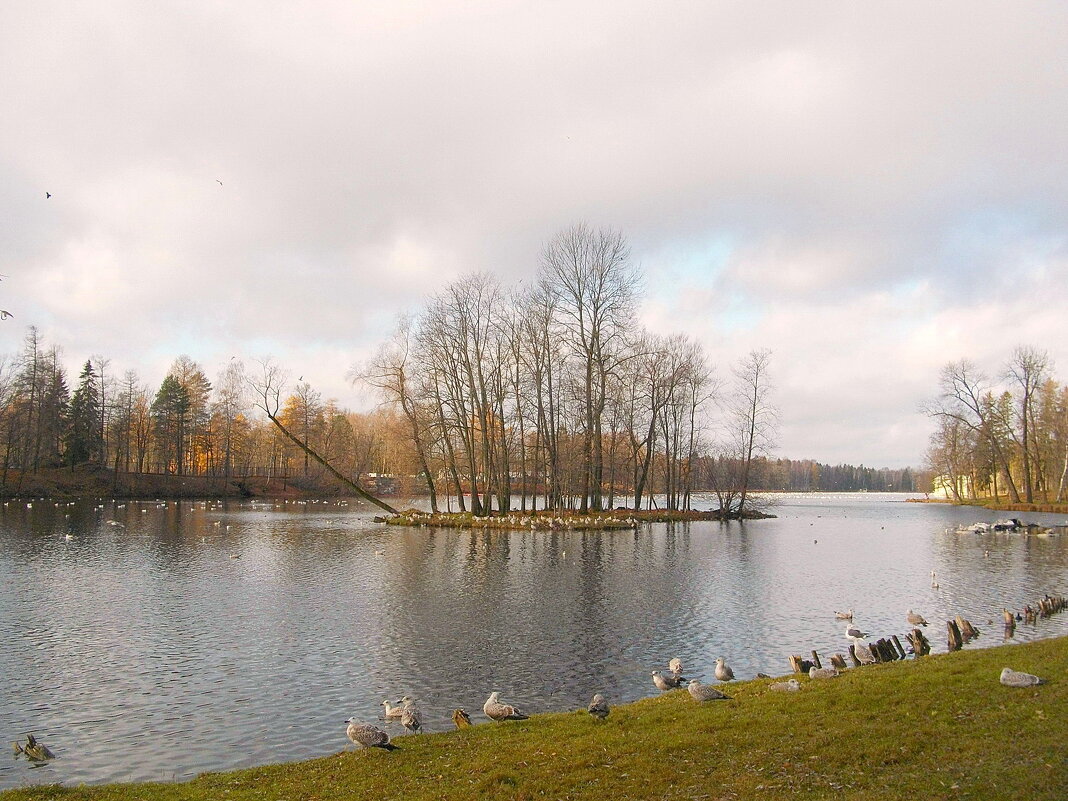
<point>754,416</point>
<point>267,389</point>
<point>1028,369</point>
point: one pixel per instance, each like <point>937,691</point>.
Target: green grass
<point>939,727</point>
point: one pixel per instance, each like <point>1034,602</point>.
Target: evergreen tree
<point>170,411</point>
<point>85,439</point>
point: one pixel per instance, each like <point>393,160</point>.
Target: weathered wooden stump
<point>838,662</point>
<point>919,643</point>
<point>900,651</point>
<point>816,660</point>
<point>853,655</point>
<point>800,664</point>
<point>966,629</point>
<point>953,637</point>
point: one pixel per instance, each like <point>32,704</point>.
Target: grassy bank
<point>940,727</point>
<point>618,519</point>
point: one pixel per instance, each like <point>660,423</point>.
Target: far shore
<point>1001,504</point>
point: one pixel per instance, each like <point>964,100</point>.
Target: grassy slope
<point>942,727</point>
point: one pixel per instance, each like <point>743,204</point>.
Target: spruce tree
<point>85,440</point>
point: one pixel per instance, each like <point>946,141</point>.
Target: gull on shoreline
<point>705,692</point>
<point>495,710</point>
<point>364,735</point>
<point>723,670</point>
<point>1017,678</point>
<point>598,707</point>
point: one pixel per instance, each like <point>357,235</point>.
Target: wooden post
<point>953,638</point>
<point>838,662</point>
<point>816,660</point>
<point>919,643</point>
<point>967,630</point>
<point>897,645</point>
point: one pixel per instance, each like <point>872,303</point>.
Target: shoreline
<point>913,726</point>
<point>998,505</point>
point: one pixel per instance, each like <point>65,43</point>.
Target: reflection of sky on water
<point>144,651</point>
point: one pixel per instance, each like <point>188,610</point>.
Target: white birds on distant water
<point>1016,678</point>
<point>854,633</point>
<point>934,580</point>
<point>705,692</point>
<point>723,670</point>
<point>915,619</point>
<point>848,615</point>
<point>662,682</point>
<point>495,710</point>
<point>791,686</point>
<point>365,735</point>
<point>411,718</point>
<point>598,707</point>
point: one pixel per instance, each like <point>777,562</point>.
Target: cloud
<point>848,186</point>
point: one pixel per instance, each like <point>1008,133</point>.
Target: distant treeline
<point>805,475</point>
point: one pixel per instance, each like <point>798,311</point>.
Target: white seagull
<point>1016,678</point>
<point>822,673</point>
<point>723,670</point>
<point>705,692</point>
<point>915,619</point>
<point>598,707</point>
<point>854,633</point>
<point>495,710</point>
<point>663,682</point>
<point>791,686</point>
<point>392,712</point>
<point>364,735</point>
<point>848,615</point>
<point>411,718</point>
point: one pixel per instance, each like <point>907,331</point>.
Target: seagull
<point>411,718</point>
<point>854,633</point>
<point>915,619</point>
<point>843,615</point>
<point>705,692</point>
<point>48,195</point>
<point>791,686</point>
<point>365,735</point>
<point>392,712</point>
<point>495,710</point>
<point>723,670</point>
<point>598,707</point>
<point>663,682</point>
<point>675,665</point>
<point>1015,678</point>
<point>822,673</point>
<point>218,182</point>
<point>863,653</point>
<point>461,719</point>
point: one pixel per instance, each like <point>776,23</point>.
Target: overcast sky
<point>868,190</point>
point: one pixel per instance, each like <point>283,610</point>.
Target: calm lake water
<point>138,649</point>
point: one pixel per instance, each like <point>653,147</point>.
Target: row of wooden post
<point>958,632</point>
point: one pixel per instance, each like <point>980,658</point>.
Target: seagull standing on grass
<point>495,710</point>
<point>392,712</point>
<point>1016,678</point>
<point>598,707</point>
<point>863,653</point>
<point>705,692</point>
<point>723,670</point>
<point>822,673</point>
<point>364,735</point>
<point>411,718</point>
<point>675,666</point>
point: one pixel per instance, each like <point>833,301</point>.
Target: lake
<point>159,640</point>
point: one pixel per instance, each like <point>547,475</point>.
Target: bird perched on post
<point>495,710</point>
<point>364,735</point>
<point>705,692</point>
<point>411,718</point>
<point>915,619</point>
<point>723,670</point>
<point>461,719</point>
<point>598,707</point>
